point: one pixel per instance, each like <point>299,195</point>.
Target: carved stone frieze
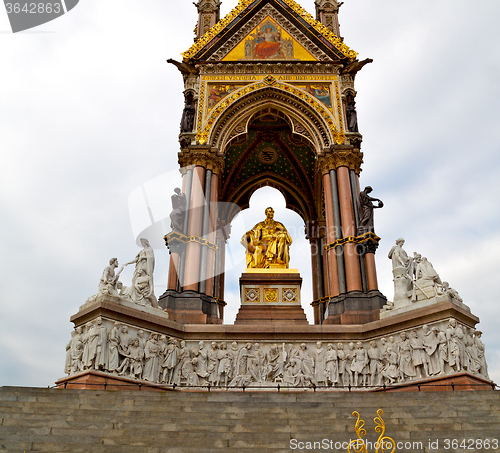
<point>191,84</point>
<point>353,139</point>
<point>328,6</point>
<point>440,348</point>
<point>202,158</point>
<point>268,68</point>
<point>347,85</point>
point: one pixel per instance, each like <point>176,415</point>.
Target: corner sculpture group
<point>142,290</point>
<point>416,279</point>
<point>432,350</point>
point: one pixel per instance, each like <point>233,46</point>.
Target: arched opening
<point>288,100</point>
<point>270,154</point>
<point>300,250</point>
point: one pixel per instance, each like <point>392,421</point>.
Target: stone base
<point>259,331</point>
<point>257,315</point>
<point>452,382</point>
<point>393,310</point>
<point>125,303</point>
<point>355,307</point>
<point>190,307</point>
<point>270,296</point>
<point>97,380</point>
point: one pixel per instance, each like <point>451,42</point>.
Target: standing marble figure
<point>142,289</point>
<point>178,210</point>
<point>366,207</point>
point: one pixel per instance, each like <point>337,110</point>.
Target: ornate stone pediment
<point>269,30</point>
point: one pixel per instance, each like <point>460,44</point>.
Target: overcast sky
<point>90,115</point>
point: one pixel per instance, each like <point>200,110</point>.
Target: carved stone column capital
<point>202,157</point>
<point>224,229</point>
<point>341,156</point>
<point>315,229</point>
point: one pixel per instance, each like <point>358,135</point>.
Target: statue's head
<point>400,241</point>
<point>269,213</point>
<point>113,262</point>
<point>145,242</point>
<point>177,190</point>
<point>368,189</point>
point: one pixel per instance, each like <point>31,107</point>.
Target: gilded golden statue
<point>267,244</point>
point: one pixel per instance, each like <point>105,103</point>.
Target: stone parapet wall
<point>87,421</point>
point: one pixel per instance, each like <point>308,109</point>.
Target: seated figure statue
<point>267,244</point>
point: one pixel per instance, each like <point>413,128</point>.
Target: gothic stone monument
<point>270,100</point>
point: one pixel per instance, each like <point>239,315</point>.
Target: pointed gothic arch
<point>303,112</point>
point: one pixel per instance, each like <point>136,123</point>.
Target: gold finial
<point>386,442</point>
<point>358,445</point>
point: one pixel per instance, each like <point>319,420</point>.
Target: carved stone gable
<point>281,29</point>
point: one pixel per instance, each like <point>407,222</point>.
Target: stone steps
<point>88,421</point>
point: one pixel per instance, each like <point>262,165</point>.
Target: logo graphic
<point>28,14</point>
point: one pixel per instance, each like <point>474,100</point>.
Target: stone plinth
<point>97,380</point>
<point>270,296</point>
<point>456,382</point>
<point>398,310</point>
<point>355,307</point>
<point>190,307</point>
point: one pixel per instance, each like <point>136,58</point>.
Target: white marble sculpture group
<point>142,290</point>
<point>430,350</point>
<point>415,279</point>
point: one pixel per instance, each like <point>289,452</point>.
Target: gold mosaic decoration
<point>339,106</point>
<point>269,80</point>
<point>243,4</point>
<point>271,295</point>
